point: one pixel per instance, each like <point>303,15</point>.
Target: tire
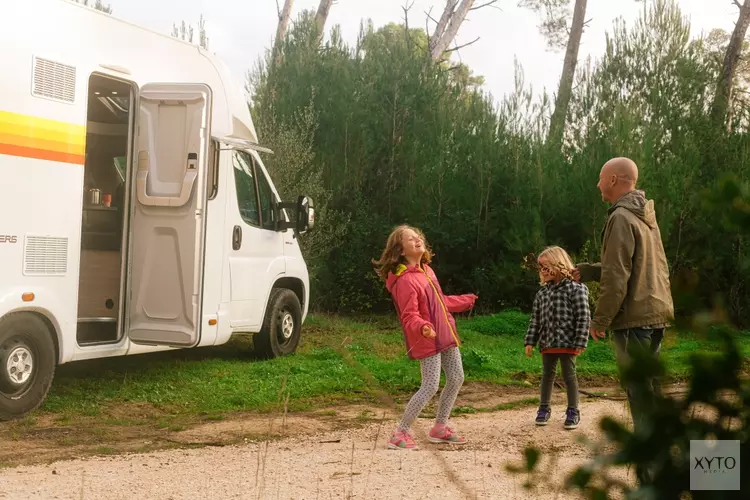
<point>27,364</point>
<point>282,325</point>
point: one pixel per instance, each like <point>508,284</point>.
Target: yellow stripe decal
<point>41,138</point>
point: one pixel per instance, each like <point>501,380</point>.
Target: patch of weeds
<point>176,428</point>
<point>464,410</point>
<point>124,422</point>
<point>27,422</point>
<point>92,411</point>
<point>365,416</point>
<point>105,450</point>
<point>512,405</point>
<point>63,420</point>
<point>214,418</point>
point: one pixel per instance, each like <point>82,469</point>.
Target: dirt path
<point>319,461</point>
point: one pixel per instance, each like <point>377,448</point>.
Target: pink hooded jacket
<point>419,301</point>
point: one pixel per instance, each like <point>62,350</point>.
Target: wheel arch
<point>294,284</point>
<point>52,326</point>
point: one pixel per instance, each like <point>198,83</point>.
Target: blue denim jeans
<point>626,342</point>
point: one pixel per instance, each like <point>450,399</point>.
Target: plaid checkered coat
<point>560,318</point>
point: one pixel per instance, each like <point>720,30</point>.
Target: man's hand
<point>597,334</point>
<point>529,350</point>
<point>576,274</point>
<point>428,332</point>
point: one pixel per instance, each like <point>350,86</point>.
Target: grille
<point>54,80</point>
<point>45,256</point>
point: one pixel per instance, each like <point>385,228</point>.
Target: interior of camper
<point>105,208</point>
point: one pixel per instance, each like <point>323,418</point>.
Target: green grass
<point>210,382</point>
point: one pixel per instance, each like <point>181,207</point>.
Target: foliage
<point>185,32</point>
<point>555,16</point>
<point>293,170</point>
<point>398,138</point>
<point>98,5</point>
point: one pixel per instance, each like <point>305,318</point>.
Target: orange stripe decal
<point>41,138</point>
<point>41,154</point>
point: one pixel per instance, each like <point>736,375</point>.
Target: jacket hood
<point>400,271</point>
<point>636,202</point>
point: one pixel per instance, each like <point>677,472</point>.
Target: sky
<point>239,31</point>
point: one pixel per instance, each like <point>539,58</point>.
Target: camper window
<point>266,201</point>
<point>247,195</point>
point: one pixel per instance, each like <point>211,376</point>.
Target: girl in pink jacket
<point>429,330</point>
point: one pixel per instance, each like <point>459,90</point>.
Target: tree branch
<point>459,47</point>
<point>738,4</point>
<point>406,9</point>
<point>443,24</point>
<point>429,17</point>
<point>278,9</point>
<point>450,22</point>
<point>491,3</point>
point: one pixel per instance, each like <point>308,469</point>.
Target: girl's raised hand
<point>529,350</point>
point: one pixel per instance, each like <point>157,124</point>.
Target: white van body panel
<point>44,192</point>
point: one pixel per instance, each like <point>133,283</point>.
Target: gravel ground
<point>334,465</point>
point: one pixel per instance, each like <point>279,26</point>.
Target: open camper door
<point>168,224</point>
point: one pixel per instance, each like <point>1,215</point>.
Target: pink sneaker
<point>402,440</point>
<point>445,435</point>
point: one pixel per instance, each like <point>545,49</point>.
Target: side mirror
<point>303,215</point>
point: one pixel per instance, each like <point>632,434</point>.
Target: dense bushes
<point>384,136</point>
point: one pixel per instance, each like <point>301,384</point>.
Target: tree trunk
<point>321,16</point>
<point>722,99</point>
<point>450,6</point>
<point>565,89</point>
<point>454,19</point>
<point>284,16</point>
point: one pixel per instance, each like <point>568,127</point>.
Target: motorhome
<point>136,213</point>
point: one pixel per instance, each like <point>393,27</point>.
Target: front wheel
<point>282,325</point>
<point>27,364</point>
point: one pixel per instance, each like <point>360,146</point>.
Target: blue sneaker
<point>572,417</point>
<point>542,416</point>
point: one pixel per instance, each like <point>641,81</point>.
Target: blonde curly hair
<point>558,260</point>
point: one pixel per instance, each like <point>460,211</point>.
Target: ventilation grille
<point>45,256</point>
<point>54,80</point>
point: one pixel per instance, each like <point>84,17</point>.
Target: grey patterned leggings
<point>450,361</point>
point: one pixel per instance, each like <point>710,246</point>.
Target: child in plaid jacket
<point>559,325</point>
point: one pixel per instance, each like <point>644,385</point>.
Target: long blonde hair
<point>559,260</point>
<point>392,255</point>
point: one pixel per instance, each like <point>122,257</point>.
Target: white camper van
<point>135,212</point>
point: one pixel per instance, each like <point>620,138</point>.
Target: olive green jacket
<point>633,276</point>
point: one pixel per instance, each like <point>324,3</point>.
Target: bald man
<point>635,299</point>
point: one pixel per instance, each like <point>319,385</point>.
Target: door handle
<point>141,181</point>
<point>236,238</point>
